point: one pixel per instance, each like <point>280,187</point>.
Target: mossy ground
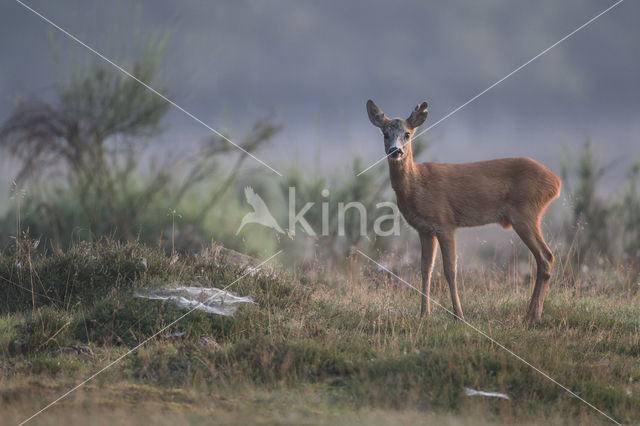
<point>318,347</point>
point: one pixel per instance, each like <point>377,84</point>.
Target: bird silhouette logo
<point>260,213</point>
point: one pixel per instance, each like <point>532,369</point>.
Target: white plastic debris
<point>208,299</point>
<point>473,392</point>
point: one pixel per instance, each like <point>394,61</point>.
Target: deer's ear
<point>418,115</point>
<point>376,115</point>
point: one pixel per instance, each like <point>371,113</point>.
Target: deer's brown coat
<point>437,198</point>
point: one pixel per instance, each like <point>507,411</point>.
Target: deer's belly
<point>423,223</point>
<point>480,219</point>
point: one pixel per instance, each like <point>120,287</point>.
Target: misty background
<point>312,66</point>
<point>316,63</point>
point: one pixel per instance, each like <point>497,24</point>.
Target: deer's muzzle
<point>395,153</point>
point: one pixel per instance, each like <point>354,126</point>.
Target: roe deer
<point>437,198</point>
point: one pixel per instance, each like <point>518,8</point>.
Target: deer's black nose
<point>394,152</point>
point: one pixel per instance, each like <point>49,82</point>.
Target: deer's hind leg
<point>529,232</point>
<point>428,242</point>
<point>447,242</point>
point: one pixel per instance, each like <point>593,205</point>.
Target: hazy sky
<point>314,64</point>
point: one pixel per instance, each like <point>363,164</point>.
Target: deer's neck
<point>402,175</point>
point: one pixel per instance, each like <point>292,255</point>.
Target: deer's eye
<point>406,135</point>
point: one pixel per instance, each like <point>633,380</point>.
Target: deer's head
<point>397,132</point>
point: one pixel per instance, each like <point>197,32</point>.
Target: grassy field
<point>320,346</point>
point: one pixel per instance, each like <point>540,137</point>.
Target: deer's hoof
<point>533,317</point>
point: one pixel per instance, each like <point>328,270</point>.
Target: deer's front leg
<point>428,243</point>
<point>447,242</point>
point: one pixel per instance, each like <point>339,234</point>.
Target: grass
<point>318,348</point>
